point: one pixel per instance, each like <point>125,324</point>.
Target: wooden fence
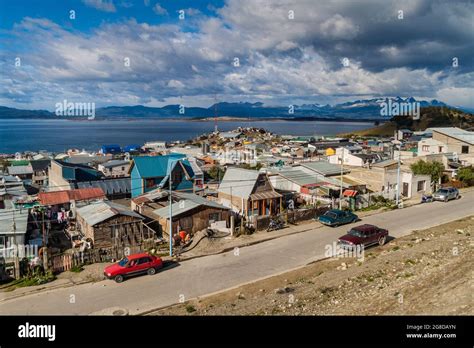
<point>64,262</point>
<point>292,216</point>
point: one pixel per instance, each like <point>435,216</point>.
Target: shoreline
<point>204,119</point>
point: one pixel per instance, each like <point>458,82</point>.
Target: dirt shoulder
<point>427,272</point>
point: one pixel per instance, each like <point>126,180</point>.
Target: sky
<point>279,52</point>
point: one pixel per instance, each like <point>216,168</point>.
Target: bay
<point>17,135</point>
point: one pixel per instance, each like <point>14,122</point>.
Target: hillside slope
<point>432,116</point>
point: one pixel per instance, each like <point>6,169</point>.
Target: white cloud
<point>159,10</point>
<point>101,5</point>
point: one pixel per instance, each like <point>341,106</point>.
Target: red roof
<point>350,193</point>
<point>61,197</point>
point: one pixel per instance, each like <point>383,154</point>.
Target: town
<point>72,209</point>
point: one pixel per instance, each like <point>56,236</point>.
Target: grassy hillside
<point>433,116</point>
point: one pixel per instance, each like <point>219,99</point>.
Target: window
<point>143,260</point>
<point>149,183</point>
<point>421,185</point>
<point>176,176</point>
<point>440,149</point>
<point>464,149</point>
<point>123,168</point>
<point>425,148</point>
<point>214,217</point>
<point>2,242</point>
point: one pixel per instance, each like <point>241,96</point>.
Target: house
<point>11,190</point>
<point>13,228</point>
<point>24,172</point>
<point>68,199</point>
<point>456,139</point>
<point>155,145</point>
<point>324,168</point>
<point>64,175</point>
<point>352,157</point>
<point>381,178</point>
<point>111,149</point>
<point>132,148</point>
<point>40,172</point>
<point>110,224</point>
<point>249,193</point>
<point>230,135</point>
<point>151,172</point>
<point>114,188</point>
<point>429,146</point>
<point>115,168</point>
<point>403,134</point>
<point>191,213</point>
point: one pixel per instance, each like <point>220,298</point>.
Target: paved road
<point>209,274</point>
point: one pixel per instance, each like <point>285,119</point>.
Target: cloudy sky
<point>280,52</point>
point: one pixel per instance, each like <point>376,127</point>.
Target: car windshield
<point>331,215</point>
<point>123,262</point>
<point>356,233</point>
<point>442,191</point>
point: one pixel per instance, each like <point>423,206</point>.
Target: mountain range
<point>366,109</point>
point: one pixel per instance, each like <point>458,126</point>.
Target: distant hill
<point>366,109</point>
<point>432,116</point>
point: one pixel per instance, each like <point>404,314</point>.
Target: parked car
<point>365,235</point>
<point>133,265</point>
<point>445,194</point>
<point>336,217</point>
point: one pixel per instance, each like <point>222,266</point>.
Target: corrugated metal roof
<point>323,167</point>
<point>95,213</point>
<point>8,216</point>
<point>20,170</point>
<point>265,195</point>
<point>154,166</point>
<point>115,163</point>
<point>299,177</point>
<point>239,182</point>
<point>457,133</point>
<point>109,186</point>
<point>189,202</point>
<point>65,196</point>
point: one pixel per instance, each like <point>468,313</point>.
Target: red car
<point>133,265</point>
<point>365,235</point>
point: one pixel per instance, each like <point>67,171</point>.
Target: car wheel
<point>151,271</point>
<point>118,278</point>
<point>382,241</point>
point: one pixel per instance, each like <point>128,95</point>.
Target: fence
<point>66,261</point>
<point>293,216</point>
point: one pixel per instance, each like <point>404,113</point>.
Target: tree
<point>216,173</point>
<point>466,175</point>
<point>435,169</point>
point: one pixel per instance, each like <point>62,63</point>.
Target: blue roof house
<point>152,172</point>
<point>112,149</point>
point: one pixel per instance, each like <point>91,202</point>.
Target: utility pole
<point>171,214</point>
<point>398,178</point>
<point>342,173</point>
<point>16,259</point>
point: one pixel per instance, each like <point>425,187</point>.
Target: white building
<point>431,146</point>
<point>115,168</point>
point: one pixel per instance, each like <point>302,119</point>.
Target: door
<point>143,264</point>
<point>405,189</point>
